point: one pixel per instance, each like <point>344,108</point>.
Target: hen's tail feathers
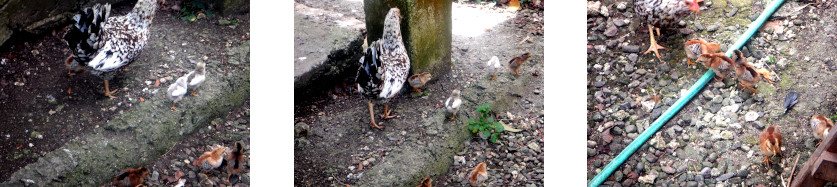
<point>369,64</point>
<point>84,36</point>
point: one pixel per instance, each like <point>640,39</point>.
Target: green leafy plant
<point>772,60</point>
<point>485,126</point>
<point>834,117</point>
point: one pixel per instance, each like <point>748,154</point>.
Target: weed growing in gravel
<point>192,10</point>
<point>485,126</point>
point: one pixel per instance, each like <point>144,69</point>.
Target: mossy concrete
<point>140,135</point>
<point>425,27</point>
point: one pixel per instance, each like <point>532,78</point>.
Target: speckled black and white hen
<point>104,44</point>
<point>384,67</point>
<point>663,14</point>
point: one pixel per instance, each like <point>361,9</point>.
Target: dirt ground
<point>42,107</point>
<point>338,139</point>
<point>713,140</point>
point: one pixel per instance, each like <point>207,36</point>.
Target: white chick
<point>176,91</point>
<point>452,104</point>
<point>196,77</point>
<point>494,65</point>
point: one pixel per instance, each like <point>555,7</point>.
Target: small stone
<point>593,8</point>
<point>712,28</point>
<point>724,177</point>
<point>648,178</point>
<point>619,22</point>
<point>751,116</point>
<point>630,48</point>
<point>630,128</point>
<point>732,12</point>
<point>621,6</point>
<point>600,48</point>
<point>599,84</point>
<point>668,170</point>
<point>590,152</point>
<point>633,58</point>
<point>459,160</point>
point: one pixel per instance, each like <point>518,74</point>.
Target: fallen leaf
<point>142,99</point>
<point>177,175</point>
<point>607,136</point>
<point>360,166</point>
<point>157,82</point>
<point>69,90</point>
<point>508,128</point>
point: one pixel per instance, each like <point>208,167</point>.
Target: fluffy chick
<point>212,159</point>
<point>235,161</point>
<point>493,64</point>
<point>718,62</point>
<point>418,80</point>
<point>196,78</point>
<point>518,61</point>
<point>452,104</point>
<point>177,90</point>
<point>697,47</point>
<point>131,177</point>
<point>821,126</point>
<point>427,182</point>
<point>770,142</point>
<point>478,175</point>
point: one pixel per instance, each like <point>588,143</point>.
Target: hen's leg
<point>173,107</point>
<point>654,46</point>
<point>372,116</point>
<point>108,92</point>
<point>386,113</point>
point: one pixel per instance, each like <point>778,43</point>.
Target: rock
<point>751,116</point>
<point>630,128</point>
<point>593,8</point>
<point>600,48</point>
<point>605,11</point>
<point>727,135</point>
<point>648,178</point>
<point>534,146</point>
<point>712,28</point>
<point>621,6</point>
<point>630,48</point>
<point>459,160</point>
<point>705,172</point>
<point>715,172</point>
<point>632,57</point>
<point>599,84</point>
<point>731,108</point>
<point>691,184</point>
<point>619,22</point>
<point>591,152</point>
<point>724,177</point>
<point>648,105</point>
<point>300,130</point>
<point>668,170</point>
<point>732,12</point>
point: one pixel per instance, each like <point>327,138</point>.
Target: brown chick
<point>518,61</point>
<point>718,62</point>
<point>418,80</point>
<point>235,161</point>
<point>697,47</point>
<point>770,142</point>
<point>427,182</point>
<point>131,177</point>
<point>211,159</point>
<point>747,75</point>
<point>478,175</point>
<point>821,126</point>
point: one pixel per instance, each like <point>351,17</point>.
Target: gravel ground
<point>713,140</point>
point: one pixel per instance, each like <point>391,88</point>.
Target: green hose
<point>628,151</point>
